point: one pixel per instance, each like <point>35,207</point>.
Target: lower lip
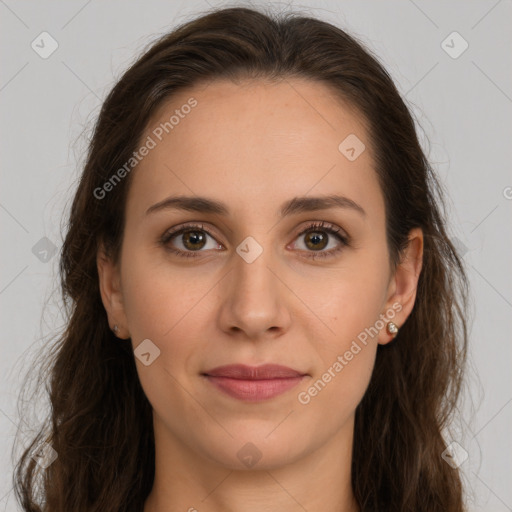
<point>254,390</point>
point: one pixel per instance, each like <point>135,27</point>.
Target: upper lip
<point>263,372</point>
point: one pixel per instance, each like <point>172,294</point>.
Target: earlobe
<point>403,286</point>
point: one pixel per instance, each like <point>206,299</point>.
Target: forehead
<point>254,143</point>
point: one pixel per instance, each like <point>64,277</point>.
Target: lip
<point>254,383</point>
<point>263,372</point>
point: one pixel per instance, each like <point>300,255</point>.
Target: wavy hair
<point>100,421</point>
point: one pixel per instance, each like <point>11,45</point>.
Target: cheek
<point>166,306</point>
<point>169,305</point>
<point>347,349</point>
<point>346,356</point>
<point>159,296</point>
<point>350,302</point>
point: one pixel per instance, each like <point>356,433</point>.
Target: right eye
<point>193,238</point>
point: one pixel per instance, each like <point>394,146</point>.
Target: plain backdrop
<point>462,103</point>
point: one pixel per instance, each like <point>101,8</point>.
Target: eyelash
<point>317,226</point>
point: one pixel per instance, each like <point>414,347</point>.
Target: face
<point>259,280</point>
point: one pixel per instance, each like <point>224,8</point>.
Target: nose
<point>254,299</point>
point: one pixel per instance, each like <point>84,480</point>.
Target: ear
<point>403,285</point>
<point>111,292</point>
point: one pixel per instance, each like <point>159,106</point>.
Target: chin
<point>257,452</point>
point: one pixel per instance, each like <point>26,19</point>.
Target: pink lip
<point>253,384</point>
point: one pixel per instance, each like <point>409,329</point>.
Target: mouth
<point>254,383</point>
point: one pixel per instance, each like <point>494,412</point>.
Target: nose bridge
<point>254,301</point>
<point>252,278</point>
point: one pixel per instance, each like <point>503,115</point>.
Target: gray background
<point>463,108</point>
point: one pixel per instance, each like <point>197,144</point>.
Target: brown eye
<point>189,241</point>
<point>193,240</point>
<point>316,240</point>
<point>318,236</point>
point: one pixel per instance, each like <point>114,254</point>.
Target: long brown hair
<point>100,423</point>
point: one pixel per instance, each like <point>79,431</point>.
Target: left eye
<point>194,238</point>
<point>316,239</point>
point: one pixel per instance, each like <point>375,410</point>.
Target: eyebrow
<point>290,207</point>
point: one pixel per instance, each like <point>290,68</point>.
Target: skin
<point>254,145</point>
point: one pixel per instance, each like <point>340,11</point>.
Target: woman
<point>266,310</point>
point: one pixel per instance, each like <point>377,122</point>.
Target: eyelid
<point>191,225</point>
<point>322,225</point>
